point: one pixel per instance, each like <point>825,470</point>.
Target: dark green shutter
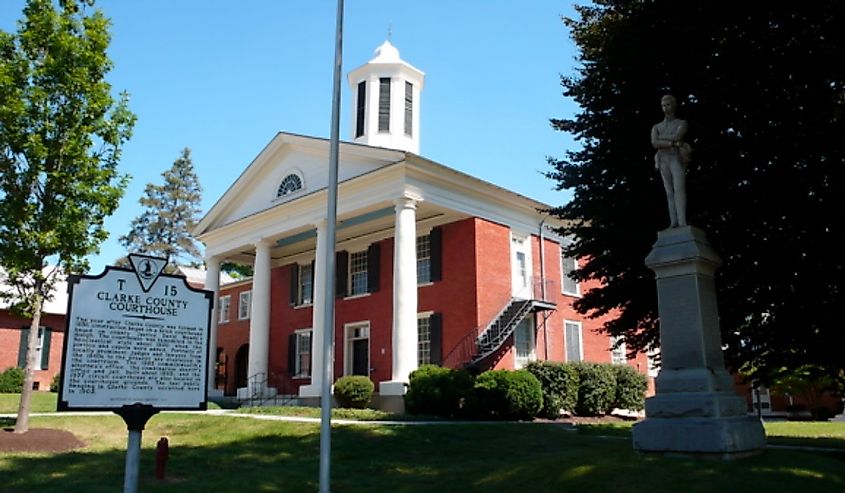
<point>292,354</point>
<point>45,349</point>
<point>294,284</point>
<point>342,273</point>
<point>22,348</point>
<point>373,268</point>
<point>436,334</point>
<point>436,241</point>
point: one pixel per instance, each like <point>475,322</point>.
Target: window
<point>225,301</point>
<point>384,104</point>
<point>574,351</point>
<point>523,338</point>
<point>424,340</point>
<point>306,284</point>
<point>302,350</point>
<point>361,109</point>
<point>244,304</point>
<point>42,348</point>
<point>409,108</point>
<point>291,183</point>
<point>567,267</point>
<point>358,273</point>
<point>423,259</point>
<point>617,350</point>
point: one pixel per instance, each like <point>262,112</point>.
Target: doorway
<point>241,366</point>
<point>521,266</point>
<point>357,357</point>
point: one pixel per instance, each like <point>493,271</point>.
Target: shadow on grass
<point>278,457</point>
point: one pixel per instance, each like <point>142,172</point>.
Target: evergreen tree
<point>763,90</point>
<point>171,212</point>
<point>61,136</point>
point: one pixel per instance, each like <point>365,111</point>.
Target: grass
<point>42,402</point>
<point>230,454</point>
<point>337,413</point>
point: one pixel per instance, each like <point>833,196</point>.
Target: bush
<point>439,391</point>
<point>353,391</point>
<point>11,381</point>
<point>56,382</point>
<point>560,387</point>
<point>503,394</point>
<point>596,389</point>
<point>631,387</point>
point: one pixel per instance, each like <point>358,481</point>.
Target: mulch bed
<point>38,440</point>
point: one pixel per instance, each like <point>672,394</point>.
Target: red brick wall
<point>10,337</point>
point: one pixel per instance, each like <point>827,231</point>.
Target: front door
<point>361,357</point>
<point>241,366</point>
<point>521,266</point>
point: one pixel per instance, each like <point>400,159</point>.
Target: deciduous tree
<point>61,135</point>
<point>763,91</point>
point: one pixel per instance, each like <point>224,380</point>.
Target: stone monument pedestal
<point>695,409</point>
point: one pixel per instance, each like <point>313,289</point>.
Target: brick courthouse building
<point>433,265</point>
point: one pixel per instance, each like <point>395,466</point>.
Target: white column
<point>259,321</point>
<point>404,297</point>
<point>318,325</point>
<point>212,283</point>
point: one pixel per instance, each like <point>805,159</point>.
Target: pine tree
<point>764,94</point>
<point>171,212</point>
<point>61,136</point>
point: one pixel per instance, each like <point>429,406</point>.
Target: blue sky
<point>223,77</point>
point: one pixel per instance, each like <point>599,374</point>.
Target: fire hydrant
<point>162,453</point>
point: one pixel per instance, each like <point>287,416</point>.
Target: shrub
<point>596,389</point>
<point>353,391</point>
<point>439,391</point>
<point>503,394</point>
<point>560,386</point>
<point>631,386</point>
<point>56,382</point>
<point>11,380</point>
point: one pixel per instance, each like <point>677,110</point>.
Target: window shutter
<point>294,284</point>
<point>373,267</point>
<point>313,270</point>
<point>23,346</point>
<point>361,109</point>
<point>45,349</point>
<point>384,104</point>
<point>409,105</point>
<point>311,353</point>
<point>436,334</point>
<point>436,254</point>
<point>342,273</point>
<point>292,354</point>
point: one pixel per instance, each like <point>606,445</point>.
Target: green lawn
<point>42,402</point>
<point>230,454</point>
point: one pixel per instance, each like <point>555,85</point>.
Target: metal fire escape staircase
<point>503,325</point>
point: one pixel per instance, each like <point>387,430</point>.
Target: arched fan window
<point>291,183</point>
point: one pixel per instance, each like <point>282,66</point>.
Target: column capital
<point>407,202</point>
<point>321,223</point>
<point>259,243</point>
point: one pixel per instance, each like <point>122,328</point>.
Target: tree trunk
<point>22,423</point>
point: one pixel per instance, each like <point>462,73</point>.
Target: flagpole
<point>328,282</point>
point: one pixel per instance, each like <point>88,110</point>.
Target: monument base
<point>718,438</point>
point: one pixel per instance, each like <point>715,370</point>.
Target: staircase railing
<point>257,390</point>
<point>485,340</point>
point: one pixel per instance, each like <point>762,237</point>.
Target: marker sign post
<point>136,343</point>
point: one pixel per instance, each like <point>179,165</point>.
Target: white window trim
<point>241,296</point>
<point>349,275</point>
<point>421,282</point>
<point>299,298</point>
<point>622,348</point>
<point>298,371</point>
<point>532,344</point>
<point>347,345</point>
<point>580,339</point>
<point>563,290</point>
<point>420,316</point>
<point>227,301</point>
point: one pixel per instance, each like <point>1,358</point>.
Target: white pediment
<point>307,158</point>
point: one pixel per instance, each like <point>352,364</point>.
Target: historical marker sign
<point>135,337</point>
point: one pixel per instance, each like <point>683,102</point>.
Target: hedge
<point>503,394</point>
<point>560,386</point>
<point>439,391</point>
<point>11,381</point>
<point>631,387</point>
<point>596,390</point>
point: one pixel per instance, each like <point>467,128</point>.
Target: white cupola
<point>386,101</point>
